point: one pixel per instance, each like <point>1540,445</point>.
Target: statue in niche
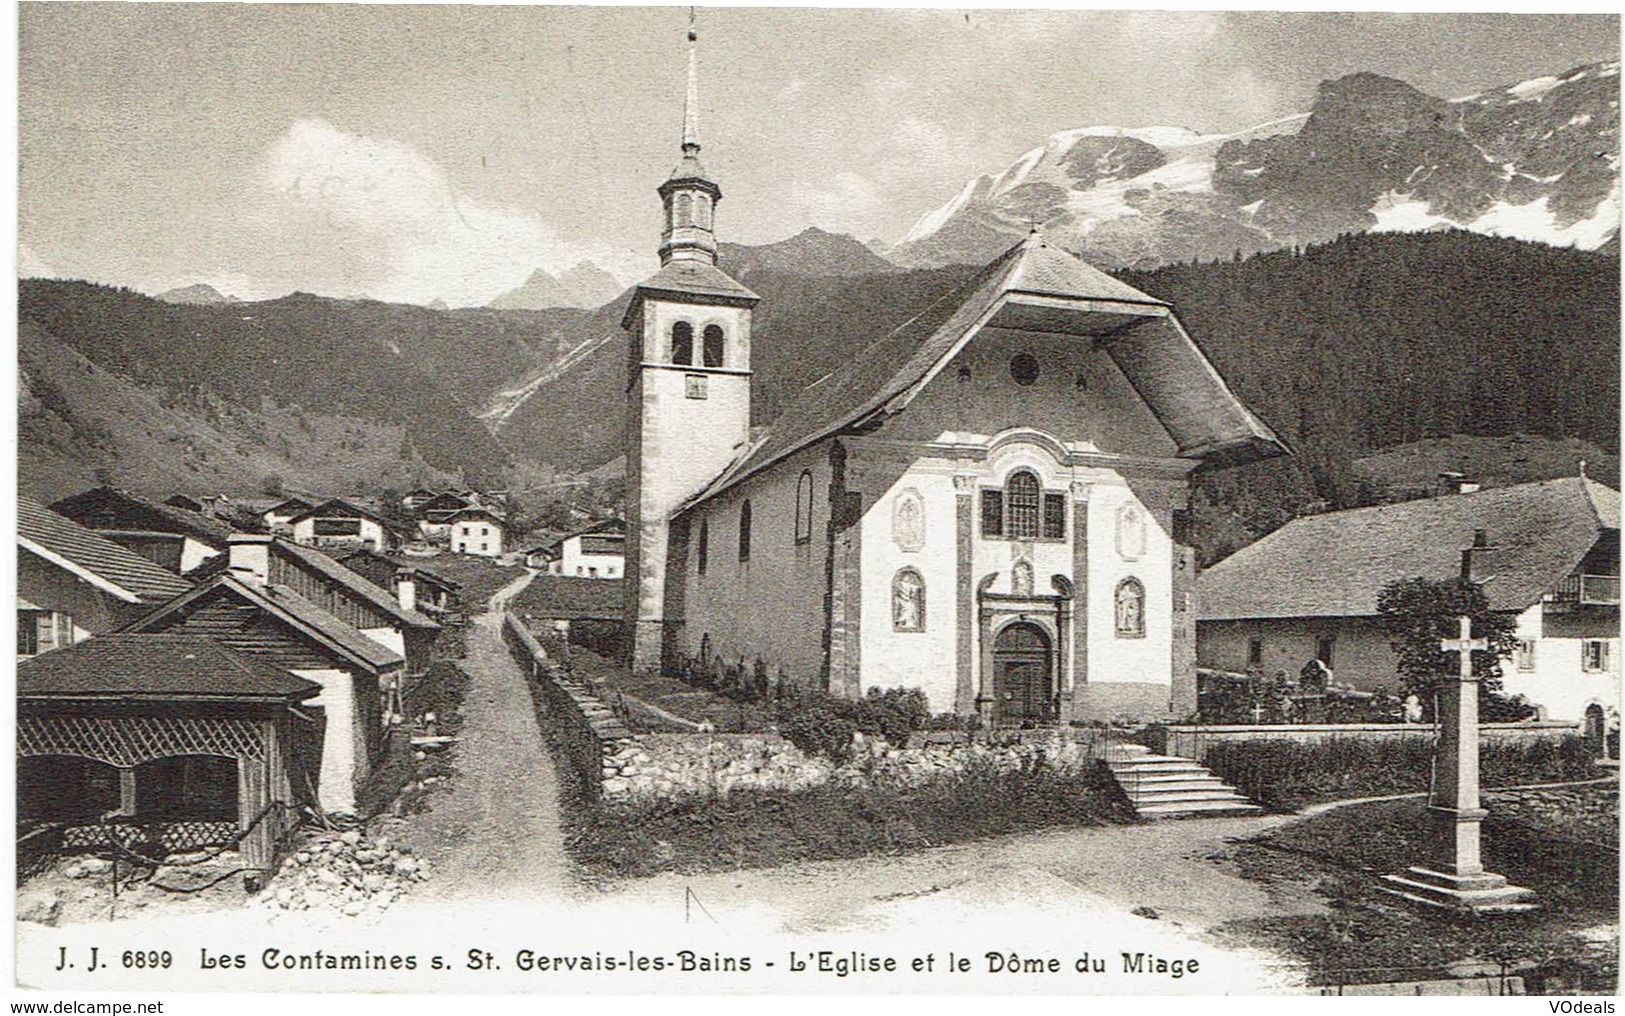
<point>1130,608</point>
<point>1130,532</point>
<point>1021,578</point>
<point>908,601</point>
<point>908,521</point>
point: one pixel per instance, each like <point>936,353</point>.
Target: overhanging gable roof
<point>93,558</point>
<point>291,609</point>
<point>137,512</point>
<point>337,508</point>
<point>352,583</point>
<point>157,667</point>
<point>1031,286</point>
<point>1335,564</point>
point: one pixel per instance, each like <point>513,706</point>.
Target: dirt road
<point>496,834</point>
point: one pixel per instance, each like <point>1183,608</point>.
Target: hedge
<point>1286,775</point>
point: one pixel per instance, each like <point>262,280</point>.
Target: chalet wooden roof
<point>160,667</point>
<point>366,562</point>
<point>93,558</point>
<point>478,511</point>
<point>1335,564</point>
<point>113,508</point>
<point>608,527</point>
<point>288,504</point>
<point>351,583</point>
<point>337,508</point>
<point>444,502</point>
<point>1032,286</point>
<point>287,607</point>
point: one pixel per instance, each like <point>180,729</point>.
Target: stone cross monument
<point>1454,877</point>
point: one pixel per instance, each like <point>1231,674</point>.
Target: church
<point>986,504</point>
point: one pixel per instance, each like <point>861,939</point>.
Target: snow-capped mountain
<point>199,293</point>
<point>1537,160</point>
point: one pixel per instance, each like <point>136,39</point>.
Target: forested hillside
<point>1385,339</point>
<point>393,365</point>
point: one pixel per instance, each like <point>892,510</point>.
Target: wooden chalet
<point>174,538</point>
<point>275,624</point>
<point>339,523</point>
<point>73,583</point>
<point>429,590</point>
<point>155,744</point>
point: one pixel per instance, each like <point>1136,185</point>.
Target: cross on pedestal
<point>1455,878</point>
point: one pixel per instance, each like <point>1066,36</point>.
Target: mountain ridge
<point>1535,160</point>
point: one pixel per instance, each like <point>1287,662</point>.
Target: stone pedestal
<point>1454,877</point>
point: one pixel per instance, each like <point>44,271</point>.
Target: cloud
<point>31,266</point>
<point>359,216</point>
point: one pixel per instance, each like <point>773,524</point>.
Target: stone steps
<point>1167,786</point>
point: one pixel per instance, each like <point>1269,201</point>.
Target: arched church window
<point>804,495</point>
<point>1129,609</point>
<point>744,531</point>
<point>908,601</point>
<point>1023,497</point>
<point>685,210</point>
<point>703,554</point>
<point>713,345</point>
<point>682,343</point>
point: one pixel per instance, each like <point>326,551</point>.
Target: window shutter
<point>992,513</point>
<point>1055,516</point>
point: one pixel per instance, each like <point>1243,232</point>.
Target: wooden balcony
<point>1582,590</point>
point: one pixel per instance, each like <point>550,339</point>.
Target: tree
<point>1419,613</point>
<point>271,485</point>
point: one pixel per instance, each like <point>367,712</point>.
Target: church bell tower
<point>688,385</point>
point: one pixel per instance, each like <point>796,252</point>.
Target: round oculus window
<point>1024,369</point>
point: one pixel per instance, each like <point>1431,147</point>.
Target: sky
<point>413,153</point>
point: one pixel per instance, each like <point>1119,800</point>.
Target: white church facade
<point>986,504</point>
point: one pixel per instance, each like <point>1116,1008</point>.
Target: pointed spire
<point>691,106</point>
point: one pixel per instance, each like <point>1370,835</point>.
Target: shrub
<point>1286,775</point>
<point>814,721</point>
<point>757,828</point>
<point>817,730</point>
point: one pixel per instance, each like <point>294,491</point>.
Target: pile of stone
<point>344,873</point>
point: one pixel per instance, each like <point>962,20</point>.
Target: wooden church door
<point>1022,679</point>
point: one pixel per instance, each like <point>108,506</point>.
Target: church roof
<point>687,280</point>
<point>1335,564</point>
<point>1032,286</point>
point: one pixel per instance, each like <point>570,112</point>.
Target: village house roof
<point>290,505</point>
<point>290,608</point>
<point>1039,287</point>
<point>607,527</point>
<point>1335,564</point>
<point>92,557</point>
<point>161,666</point>
<point>355,584</point>
<point>477,511</point>
<point>113,508</point>
<point>570,598</point>
<point>338,508</point>
<point>366,558</point>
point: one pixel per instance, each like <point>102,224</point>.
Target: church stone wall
<point>771,607</point>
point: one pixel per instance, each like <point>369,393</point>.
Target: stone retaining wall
<point>587,730</point>
<point>614,766</point>
<point>1194,740</point>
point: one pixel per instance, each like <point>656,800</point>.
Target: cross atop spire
<point>691,106</point>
